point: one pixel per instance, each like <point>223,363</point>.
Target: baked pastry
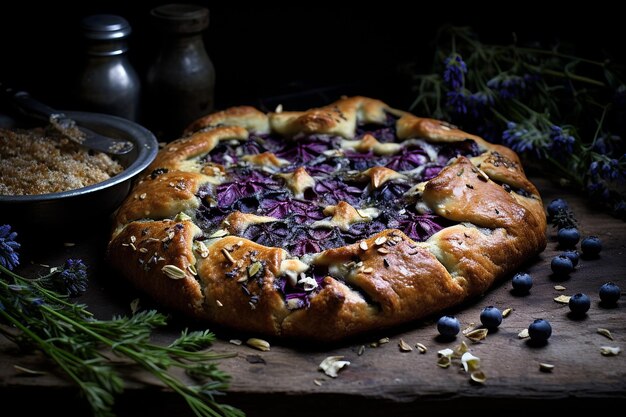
<point>327,223</point>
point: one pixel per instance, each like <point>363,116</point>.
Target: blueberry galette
<point>326,223</point>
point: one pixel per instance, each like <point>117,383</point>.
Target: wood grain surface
<point>382,380</point>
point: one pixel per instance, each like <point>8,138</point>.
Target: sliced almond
<point>259,344</point>
<point>478,376</point>
<point>422,348</point>
<point>363,245</point>
<point>332,365</point>
<point>605,332</point>
<point>610,351</point>
<point>477,335</point>
<point>460,350</point>
<point>546,367</point>
<point>506,312</point>
<point>563,299</point>
<point>523,334</point>
<point>559,288</point>
<point>470,362</point>
<point>444,361</point>
<point>379,241</point>
<point>404,346</point>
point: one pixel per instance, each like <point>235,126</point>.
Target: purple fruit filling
<point>337,174</point>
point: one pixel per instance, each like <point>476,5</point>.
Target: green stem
<point>561,55</point>
<point>18,279</point>
<point>572,77</point>
<point>167,379</point>
<point>47,348</point>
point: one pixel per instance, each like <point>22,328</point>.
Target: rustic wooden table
<point>382,380</point>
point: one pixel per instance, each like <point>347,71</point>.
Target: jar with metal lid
<point>108,83</point>
<point>181,81</point>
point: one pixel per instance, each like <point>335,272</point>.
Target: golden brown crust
<point>384,280</point>
<point>244,116</point>
<point>143,249</point>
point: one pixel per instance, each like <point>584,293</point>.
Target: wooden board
<point>383,380</point>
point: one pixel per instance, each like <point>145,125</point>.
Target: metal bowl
<point>71,210</point>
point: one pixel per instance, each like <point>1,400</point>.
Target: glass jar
<point>181,81</point>
<point>108,83</point>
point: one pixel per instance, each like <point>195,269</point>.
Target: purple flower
<point>456,101</point>
<point>9,258</point>
<point>517,138</point>
<point>508,86</point>
<point>479,102</point>
<point>454,72</point>
<point>562,142</point>
<point>72,280</point>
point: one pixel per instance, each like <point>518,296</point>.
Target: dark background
<point>298,55</point>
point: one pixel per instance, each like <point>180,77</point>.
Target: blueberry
<point>610,293</point>
<point>522,282</point>
<point>561,265</point>
<point>556,205</point>
<point>591,246</point>
<point>540,330</point>
<point>568,237</point>
<point>490,317</point>
<point>579,303</point>
<point>448,326</point>
<point>573,256</point>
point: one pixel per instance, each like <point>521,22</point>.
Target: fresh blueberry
<point>540,330</point>
<point>568,237</point>
<point>556,205</point>
<point>573,256</point>
<point>610,293</point>
<point>448,326</point>
<point>561,265</point>
<point>522,282</point>
<point>579,303</point>
<point>591,246</point>
<point>490,317</point>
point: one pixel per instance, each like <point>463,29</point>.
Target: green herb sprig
<point>36,317</point>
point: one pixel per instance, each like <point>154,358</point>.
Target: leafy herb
<point>35,316</point>
<point>563,112</point>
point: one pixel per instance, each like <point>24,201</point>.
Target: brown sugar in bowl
<point>67,210</point>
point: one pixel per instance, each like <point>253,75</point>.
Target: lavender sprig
<point>559,111</point>
<point>34,315</point>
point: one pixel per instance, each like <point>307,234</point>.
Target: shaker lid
<point>181,18</point>
<point>105,27</point>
